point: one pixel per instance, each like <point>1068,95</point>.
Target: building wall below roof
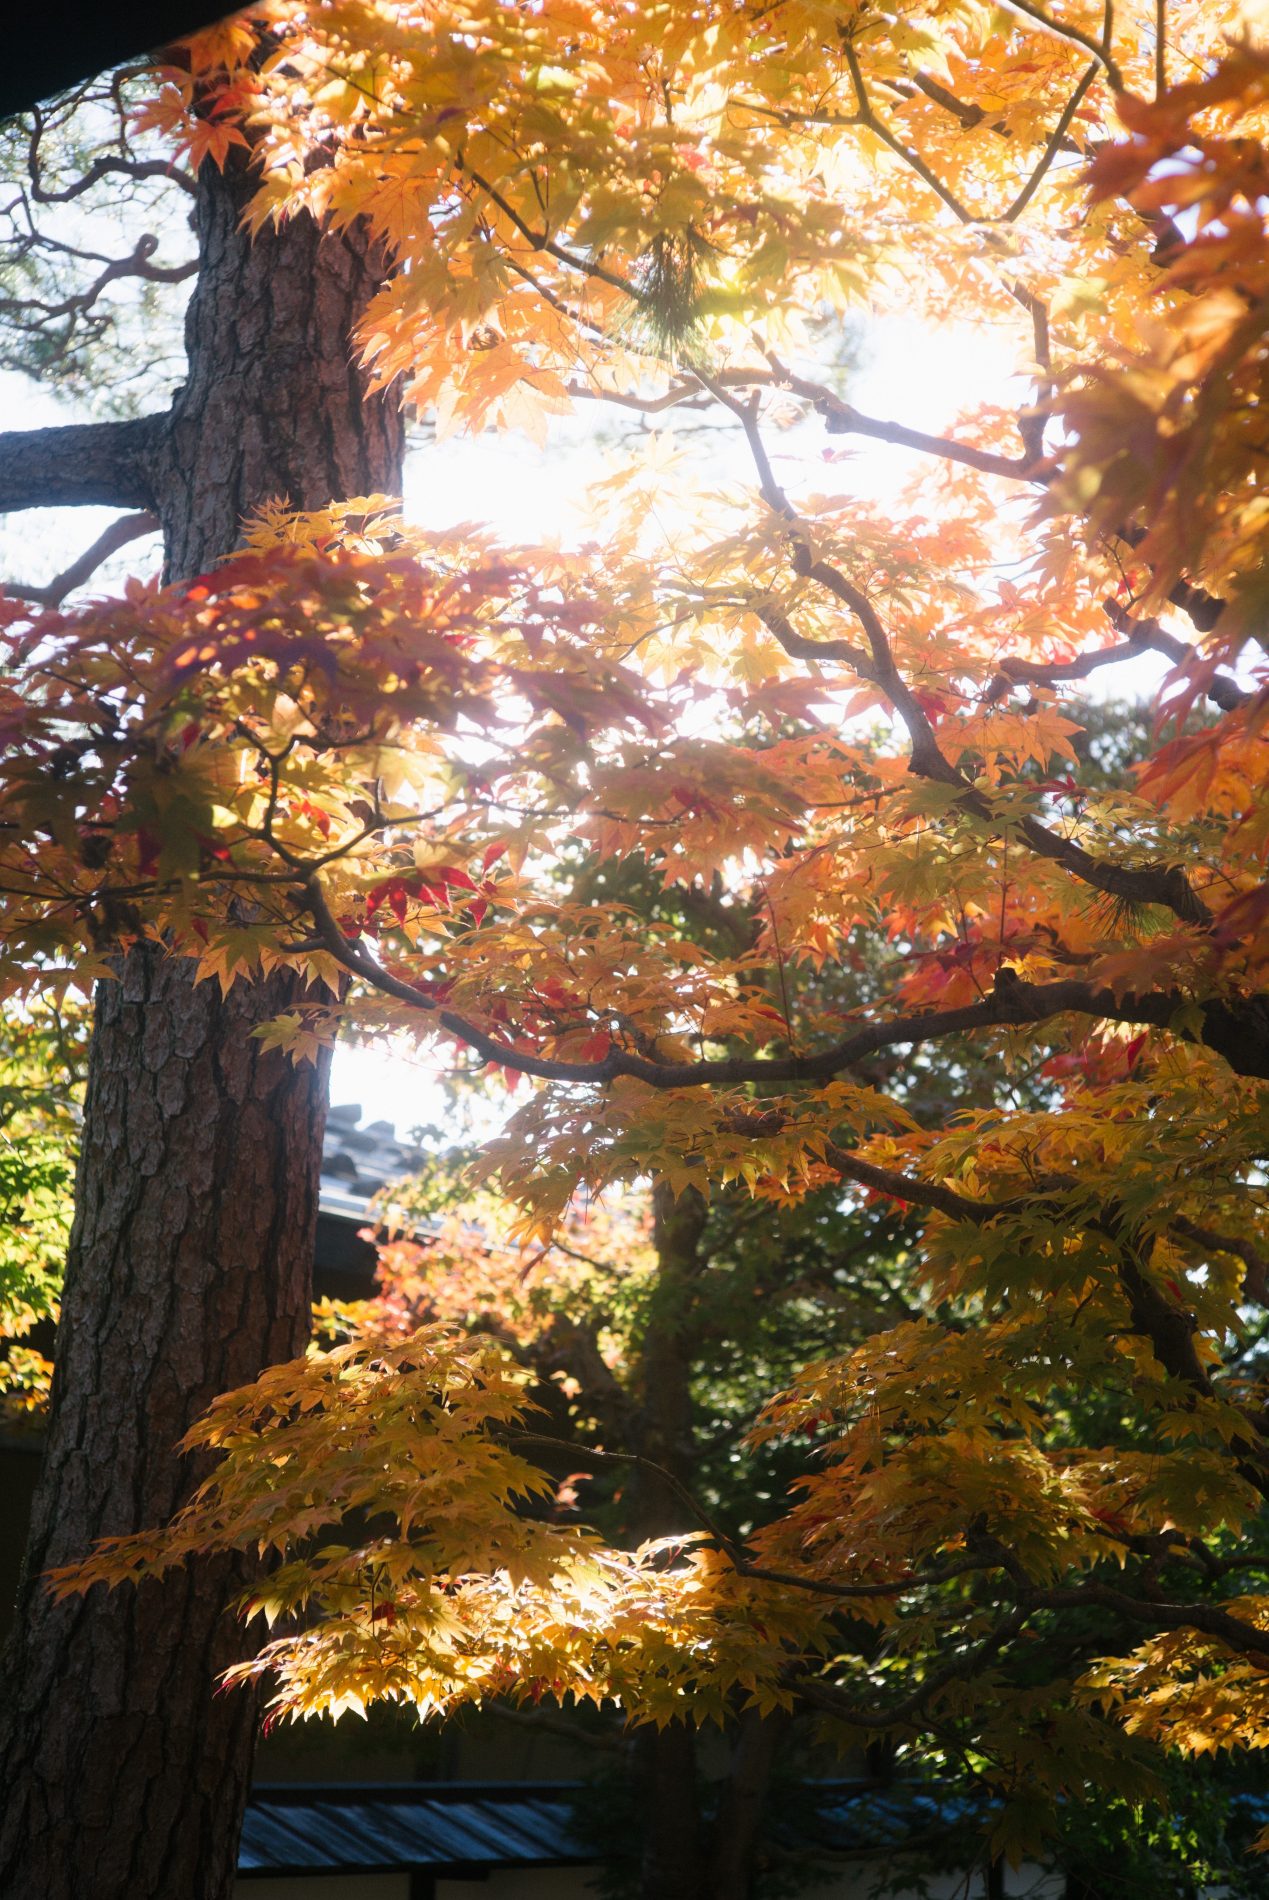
<point>859,1882</point>
<point>868,1880</point>
<point>509,1883</point>
<point>329,1887</point>
<point>524,1883</point>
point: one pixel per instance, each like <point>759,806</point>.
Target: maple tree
<point>649,1334</point>
<point>351,758</point>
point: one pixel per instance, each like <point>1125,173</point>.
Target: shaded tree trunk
<point>191,1258</point>
<point>684,1856</point>
<point>672,1863</point>
<point>742,1805</point>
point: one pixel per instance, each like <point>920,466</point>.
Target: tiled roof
<point>360,1159</point>
<point>448,1827</point>
<point>474,1826</point>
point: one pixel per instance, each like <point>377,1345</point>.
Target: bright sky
<point>910,374</point>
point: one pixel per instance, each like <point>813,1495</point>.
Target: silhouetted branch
<point>117,535</point>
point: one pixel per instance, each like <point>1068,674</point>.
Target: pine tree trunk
<point>125,1772</point>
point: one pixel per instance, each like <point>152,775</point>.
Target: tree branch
<point>841,418</point>
<point>1206,1618</point>
<point>81,464</point>
<point>1142,636</point>
<point>117,535</point>
<point>1204,609</point>
<point>545,1442</point>
<point>1168,1328</point>
<point>542,241</point>
<point>136,264</point>
<point>1074,34</point>
<point>1056,140</point>
<point>1239,1032</point>
<point>909,1187</point>
<point>969,115</point>
<point>1256,1279</point>
<point>834,1701</point>
<point>868,118</point>
<point>734,1552</point>
<point>543,1722</point>
<point>1164,885</point>
<point>685,395</point>
<point>138,169</point>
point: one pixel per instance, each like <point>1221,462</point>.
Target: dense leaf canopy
<point>848,732</point>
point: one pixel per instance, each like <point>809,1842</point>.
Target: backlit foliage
<point>41,1059</point>
<point>835,725</point>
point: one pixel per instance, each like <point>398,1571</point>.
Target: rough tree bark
<point>190,1261</point>
<point>672,1857</point>
<point>82,463</point>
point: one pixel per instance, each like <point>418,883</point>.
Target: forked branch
<point>1164,885</point>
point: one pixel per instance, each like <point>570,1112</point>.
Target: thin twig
<point>1076,36</point>
<point>542,241</point>
<point>1055,143</point>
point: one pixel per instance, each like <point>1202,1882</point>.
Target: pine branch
<point>117,535</point>
<point>136,264</point>
<point>140,170</point>
<point>105,464</point>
